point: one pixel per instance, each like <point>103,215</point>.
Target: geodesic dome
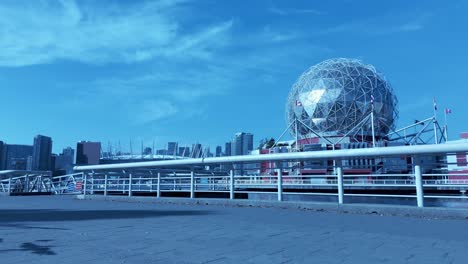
<point>335,96</point>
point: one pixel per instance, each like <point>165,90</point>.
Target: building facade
<point>64,161</point>
<point>88,153</point>
<point>2,155</point>
<point>219,151</point>
<point>242,144</point>
<point>228,149</point>
<point>197,151</point>
<point>17,156</point>
<point>172,148</point>
<point>42,152</point>
<point>184,151</point>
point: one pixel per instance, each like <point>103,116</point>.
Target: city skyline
<point>39,155</point>
<point>171,74</point>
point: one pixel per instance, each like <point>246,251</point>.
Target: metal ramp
<point>14,182</point>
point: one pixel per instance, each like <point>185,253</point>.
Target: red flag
<point>448,110</point>
<point>435,104</point>
<point>298,103</point>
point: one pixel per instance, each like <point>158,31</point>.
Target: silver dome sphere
<point>334,96</point>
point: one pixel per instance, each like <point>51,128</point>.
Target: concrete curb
<point>374,209</point>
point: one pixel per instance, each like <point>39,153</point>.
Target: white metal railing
<point>128,184</point>
<point>132,179</point>
<point>69,183</point>
<point>25,181</point>
<point>175,182</point>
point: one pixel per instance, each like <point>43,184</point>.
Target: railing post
<point>152,181</point>
<point>130,184</point>
<point>27,182</point>
<point>192,185</point>
<point>9,186</point>
<point>159,185</point>
<point>339,178</point>
<point>39,188</point>
<point>105,184</point>
<point>92,182</point>
<point>85,178</point>
<point>231,188</point>
<point>280,185</point>
<point>419,183</point>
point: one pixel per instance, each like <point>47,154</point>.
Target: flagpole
<point>297,136</point>
<point>373,130</point>
<point>372,121</point>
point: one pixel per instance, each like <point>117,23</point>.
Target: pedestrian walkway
<point>61,229</point>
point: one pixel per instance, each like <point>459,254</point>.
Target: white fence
<point>194,177</point>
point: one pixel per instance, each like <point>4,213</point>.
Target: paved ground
<point>64,230</point>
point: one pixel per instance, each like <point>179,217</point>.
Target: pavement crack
<point>379,245</point>
<point>278,234</point>
<point>213,260</point>
<point>275,252</point>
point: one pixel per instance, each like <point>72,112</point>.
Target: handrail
<point>316,155</point>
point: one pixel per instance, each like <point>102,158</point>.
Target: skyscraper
<point>17,156</point>
<point>88,153</point>
<point>242,144</point>
<point>42,151</point>
<point>64,161</point>
<point>227,149</point>
<point>197,151</point>
<point>219,151</point>
<point>184,151</point>
<point>171,148</point>
<point>207,153</point>
<point>2,155</point>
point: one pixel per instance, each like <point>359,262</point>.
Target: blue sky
<point>202,70</point>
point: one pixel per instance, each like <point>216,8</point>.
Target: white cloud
<point>155,110</point>
<point>293,11</point>
<point>161,92</point>
<point>380,26</point>
<point>198,45</point>
<point>188,64</point>
<point>45,31</point>
<point>411,27</point>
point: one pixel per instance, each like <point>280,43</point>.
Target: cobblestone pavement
<point>64,230</point>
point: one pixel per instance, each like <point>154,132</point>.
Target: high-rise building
<point>2,155</point>
<point>53,161</point>
<point>64,161</point>
<point>17,156</point>
<point>197,151</point>
<point>88,153</point>
<point>184,151</point>
<point>242,144</point>
<point>227,149</point>
<point>42,151</point>
<point>219,151</point>
<point>207,153</point>
<point>172,148</point>
<point>29,163</point>
<point>69,152</point>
